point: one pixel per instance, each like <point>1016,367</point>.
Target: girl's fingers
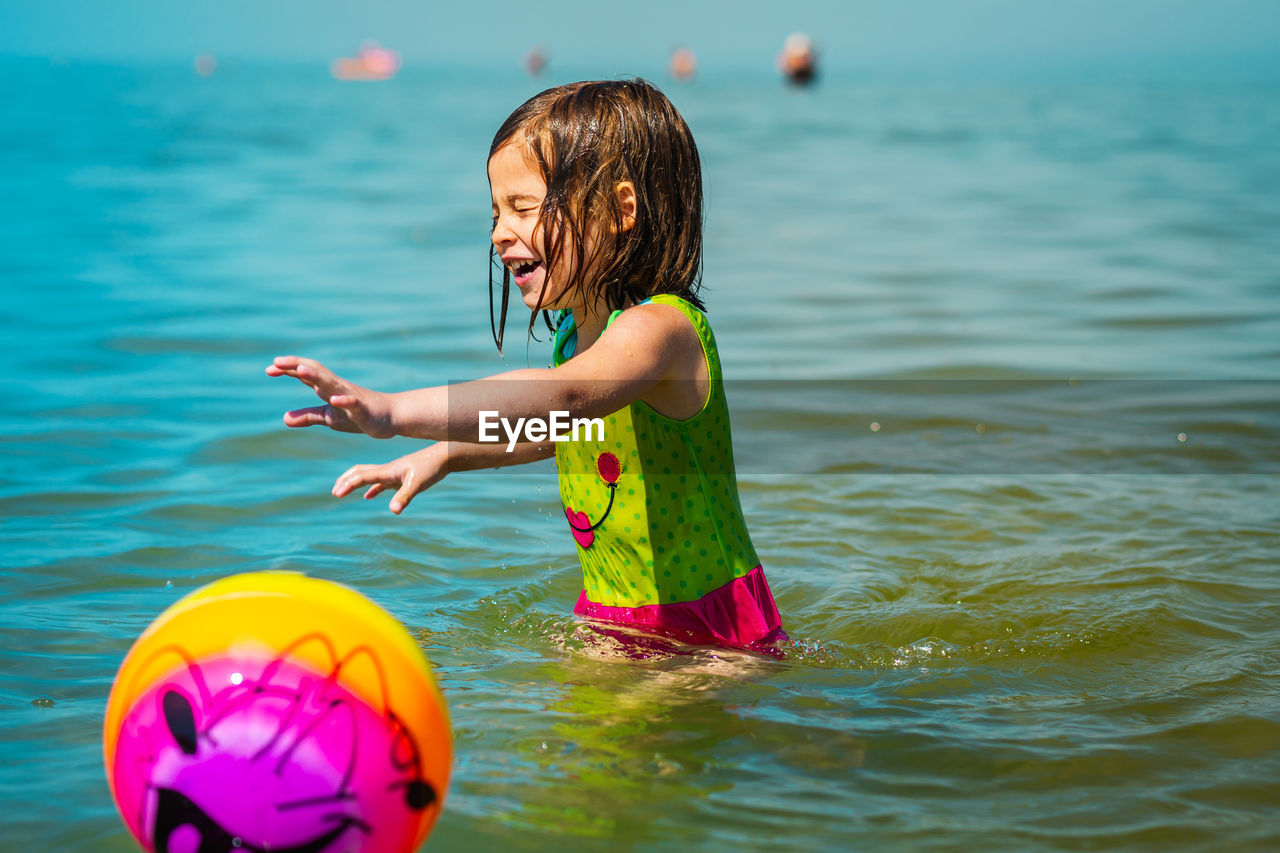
<point>282,365</point>
<point>357,475</point>
<point>292,362</point>
<point>310,372</point>
<point>310,416</point>
<point>344,484</point>
<point>403,495</point>
<point>288,365</point>
<point>345,401</point>
<point>346,410</point>
<point>379,478</point>
<point>324,390</point>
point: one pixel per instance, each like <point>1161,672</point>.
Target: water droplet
<point>237,678</point>
<point>168,584</point>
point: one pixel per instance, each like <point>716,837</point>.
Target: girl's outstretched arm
<point>648,345</point>
<point>415,473</point>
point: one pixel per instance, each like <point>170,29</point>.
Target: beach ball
<point>274,711</point>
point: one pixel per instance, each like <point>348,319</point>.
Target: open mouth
<point>524,270</point>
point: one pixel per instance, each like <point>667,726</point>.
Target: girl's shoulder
<point>674,326</point>
<point>660,306</point>
<point>684,306</point>
<point>677,316</point>
<point>662,323</point>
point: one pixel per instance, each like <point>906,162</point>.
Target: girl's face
<point>518,191</point>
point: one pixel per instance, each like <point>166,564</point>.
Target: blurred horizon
<point>1178,39</point>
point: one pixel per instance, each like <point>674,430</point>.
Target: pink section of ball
<point>271,753</point>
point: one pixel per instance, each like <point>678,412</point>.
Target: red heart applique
<point>609,467</point>
<point>579,524</point>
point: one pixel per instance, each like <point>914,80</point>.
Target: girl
<point>597,216</point>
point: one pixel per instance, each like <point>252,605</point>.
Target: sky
<point>898,34</point>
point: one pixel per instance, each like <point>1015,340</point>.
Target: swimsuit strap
<point>616,314</point>
<point>564,341</point>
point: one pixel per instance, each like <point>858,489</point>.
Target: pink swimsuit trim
<point>741,614</point>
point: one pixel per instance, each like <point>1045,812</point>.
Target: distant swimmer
<point>373,62</point>
<point>535,61</point>
<point>683,64</point>
<point>798,60</point>
<point>205,64</point>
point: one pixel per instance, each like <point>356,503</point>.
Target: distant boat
<point>373,62</point>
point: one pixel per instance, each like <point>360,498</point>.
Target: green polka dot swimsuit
<point>655,514</point>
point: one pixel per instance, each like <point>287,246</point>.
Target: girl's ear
<point>626,195</point>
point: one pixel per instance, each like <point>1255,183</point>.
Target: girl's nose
<point>502,234</point>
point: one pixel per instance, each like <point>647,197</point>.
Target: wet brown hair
<point>585,138</point>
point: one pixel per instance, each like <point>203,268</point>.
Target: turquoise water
<point>1002,360</point>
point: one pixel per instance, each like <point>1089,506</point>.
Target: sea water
<point>1002,356</point>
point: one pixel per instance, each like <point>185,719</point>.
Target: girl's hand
<point>349,408</point>
<point>414,473</point>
